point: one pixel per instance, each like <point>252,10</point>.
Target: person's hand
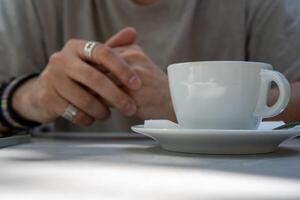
<point>153,99</point>
<point>72,78</point>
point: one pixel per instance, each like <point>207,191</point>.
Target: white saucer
<point>217,141</point>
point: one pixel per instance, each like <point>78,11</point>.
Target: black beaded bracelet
<point>8,116</point>
<point>3,121</point>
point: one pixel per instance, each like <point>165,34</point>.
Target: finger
<point>101,68</point>
<point>59,105</point>
<point>122,49</point>
<point>114,79</point>
<point>81,98</point>
<point>99,98</point>
<point>107,73</point>
<point>105,56</point>
<point>125,37</point>
<point>133,55</point>
<point>102,85</point>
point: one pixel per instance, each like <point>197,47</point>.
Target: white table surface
<point>121,167</point>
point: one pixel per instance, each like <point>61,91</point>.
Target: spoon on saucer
<point>293,125</point>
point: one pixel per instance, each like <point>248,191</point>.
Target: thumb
<point>125,37</point>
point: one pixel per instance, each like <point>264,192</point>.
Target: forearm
<point>292,112</point>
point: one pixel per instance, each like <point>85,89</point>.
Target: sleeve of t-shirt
<point>21,41</point>
<point>274,34</point>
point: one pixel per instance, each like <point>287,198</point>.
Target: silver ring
<point>88,48</point>
<point>70,113</point>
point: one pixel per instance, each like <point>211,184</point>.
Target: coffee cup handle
<point>267,77</point>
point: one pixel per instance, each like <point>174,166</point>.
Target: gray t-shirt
<point>169,31</point>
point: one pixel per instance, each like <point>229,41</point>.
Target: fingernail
<point>130,109</point>
<point>135,82</point>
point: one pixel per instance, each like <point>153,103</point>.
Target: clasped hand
<point>118,75</point>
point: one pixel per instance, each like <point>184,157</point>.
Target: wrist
<point>9,117</point>
<point>22,100</point>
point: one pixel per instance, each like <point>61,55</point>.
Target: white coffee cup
<point>225,94</point>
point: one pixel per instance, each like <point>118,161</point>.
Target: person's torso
<point>169,31</point>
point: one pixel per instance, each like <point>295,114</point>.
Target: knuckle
<point>45,79</point>
<point>138,54</point>
<point>57,59</point>
<point>137,48</point>
<point>104,51</point>
<point>72,42</point>
<point>133,54</point>
<point>45,76</point>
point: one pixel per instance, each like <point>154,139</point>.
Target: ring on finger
<point>70,113</point>
<point>88,48</point>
